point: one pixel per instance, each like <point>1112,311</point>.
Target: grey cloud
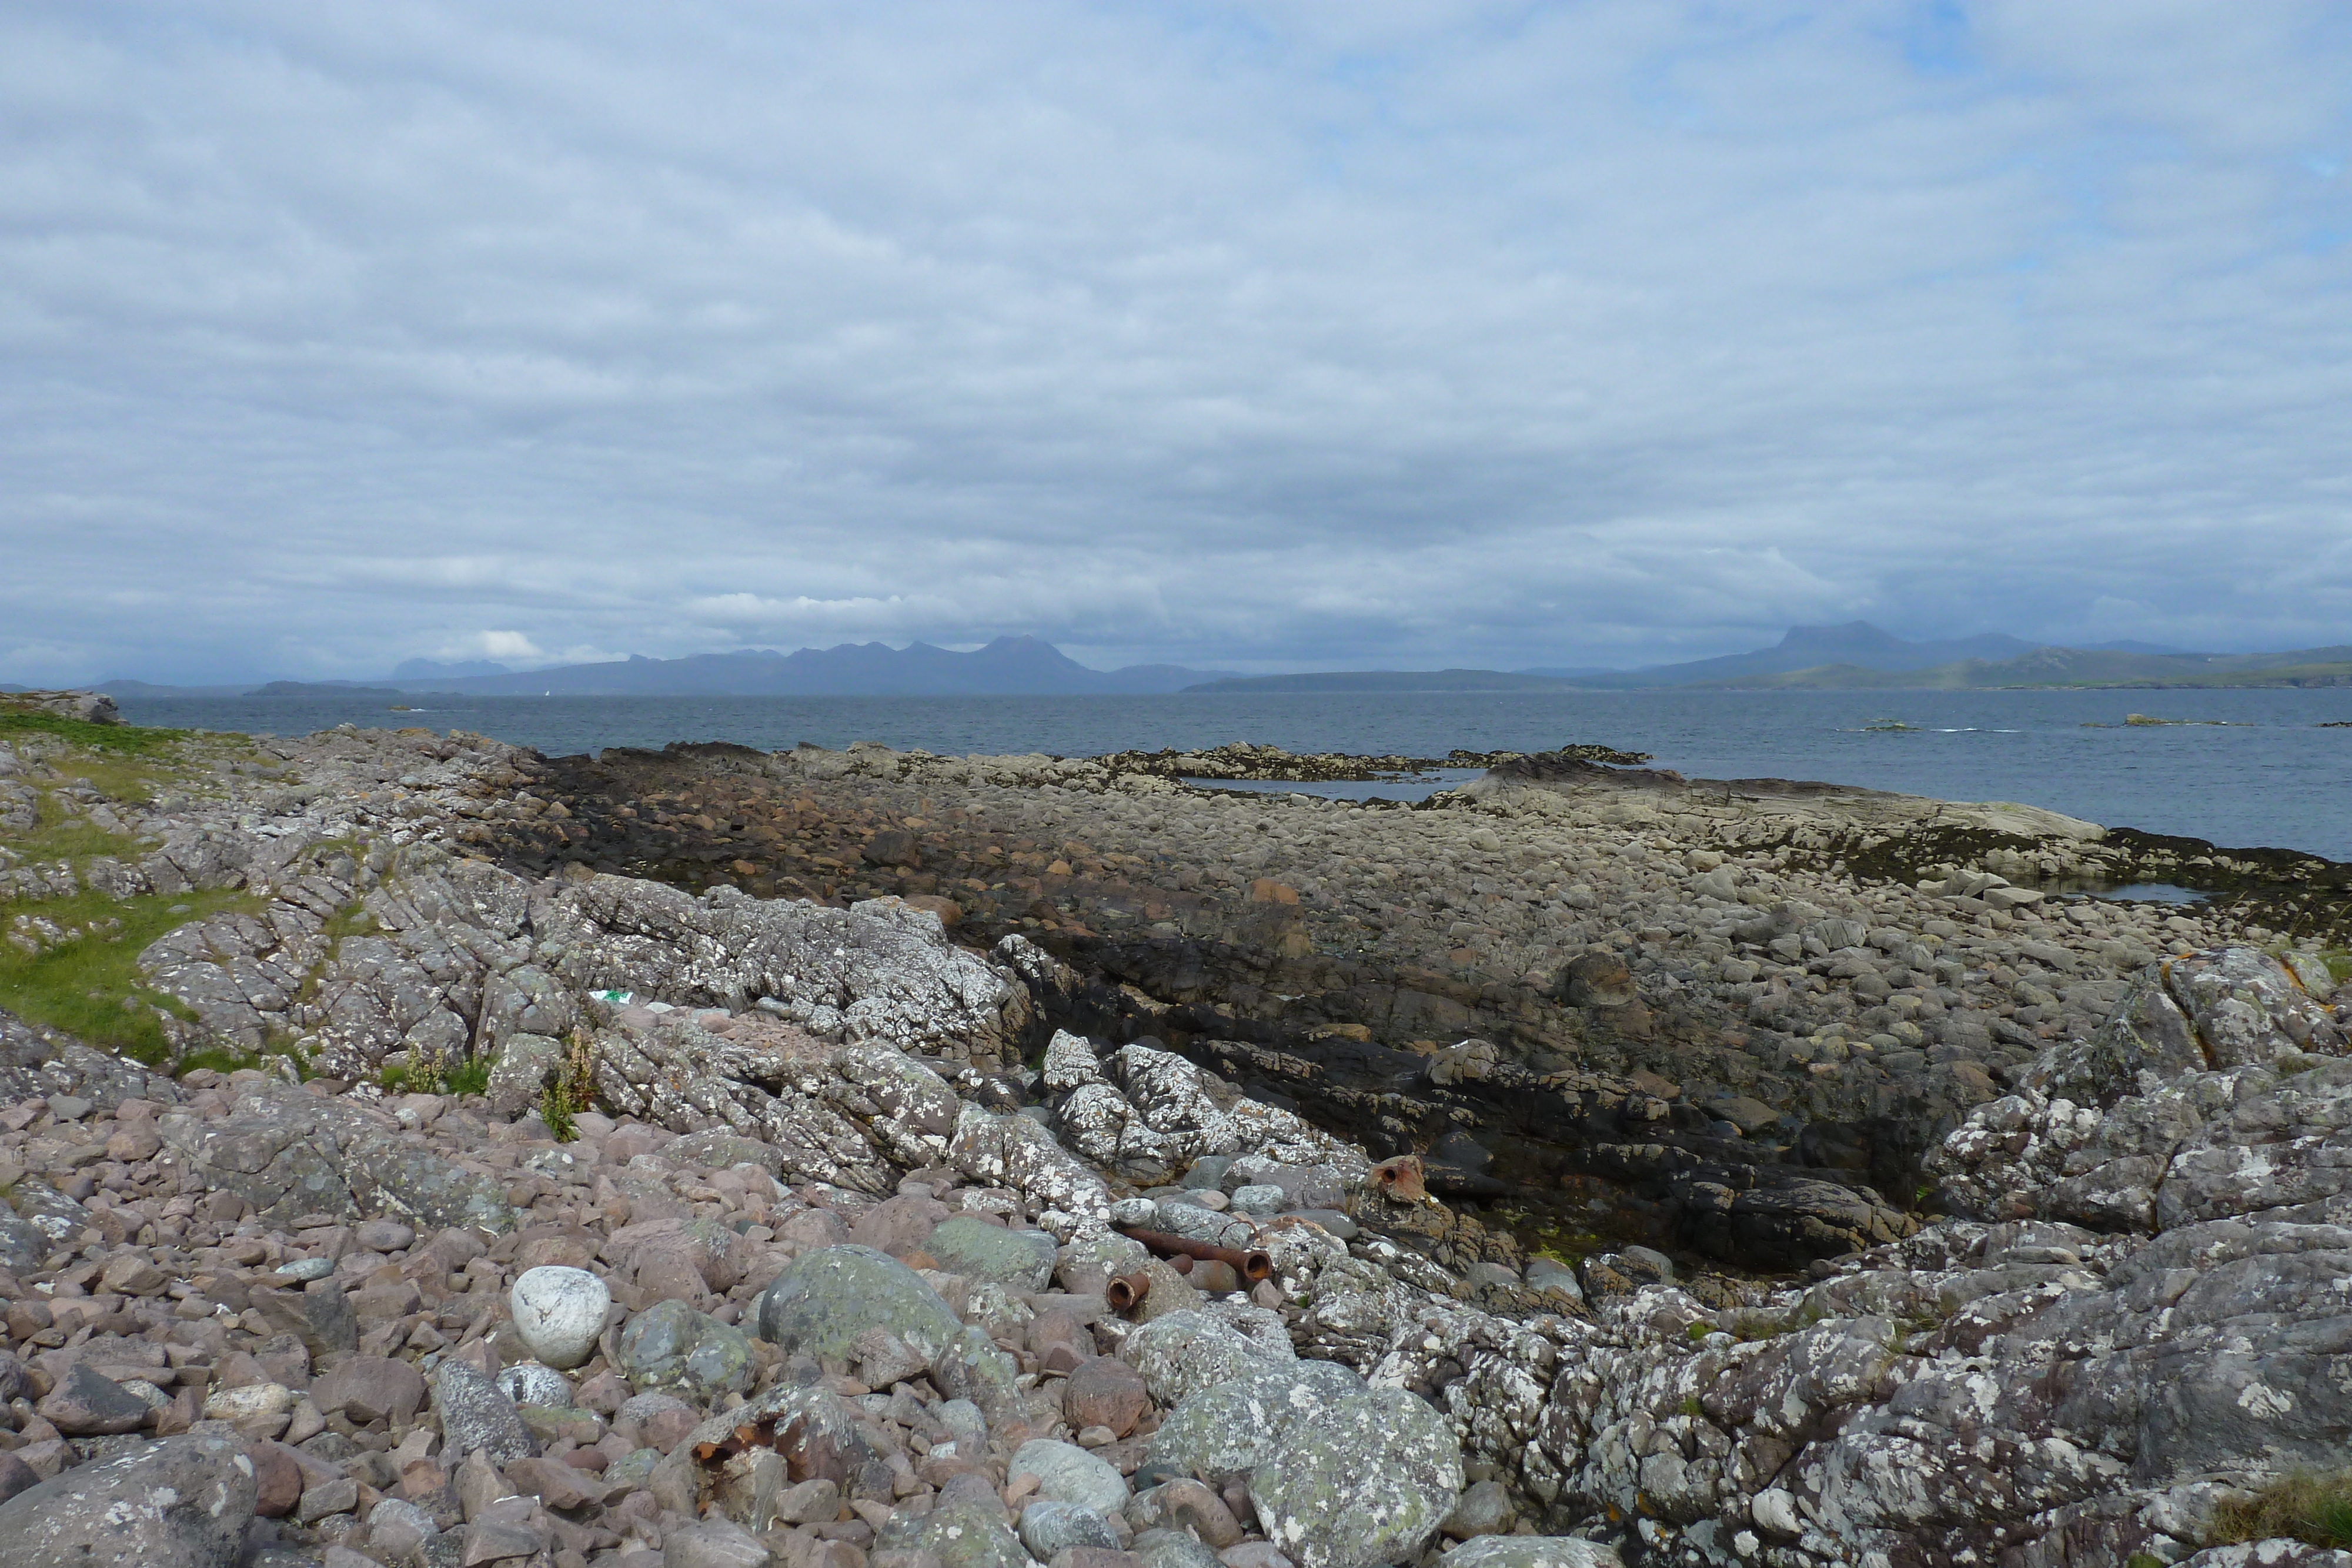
<point>333,333</point>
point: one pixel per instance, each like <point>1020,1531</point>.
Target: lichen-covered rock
<point>183,1502</point>
<point>1227,1428</point>
<point>288,1153</point>
<point>959,1533</point>
<point>1186,1352</point>
<point>669,1345</point>
<point>1018,1259</point>
<point>1067,1473</point>
<point>824,1302</point>
<point>1015,1152</point>
<point>1368,1480</point>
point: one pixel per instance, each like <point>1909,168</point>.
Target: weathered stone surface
<point>1021,1261</point>
<point>286,1154</point>
<point>474,1415</point>
<point>559,1312</point>
<point>1366,1480</point>
<point>669,1345</point>
<point>183,1502</point>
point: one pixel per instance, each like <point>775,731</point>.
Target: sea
<point>2242,769</point>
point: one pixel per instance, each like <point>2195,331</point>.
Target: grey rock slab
<point>1049,1528</point>
<point>1367,1481</point>
<point>86,1404</point>
<point>475,1415</point>
<point>183,1502</point>
<point>1532,1552</point>
<point>1067,1473</point>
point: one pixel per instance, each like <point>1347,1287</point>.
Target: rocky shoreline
<point>1901,1208</point>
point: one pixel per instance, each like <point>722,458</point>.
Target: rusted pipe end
<point>1401,1178</point>
<point>1255,1265</point>
<point>1123,1292</point>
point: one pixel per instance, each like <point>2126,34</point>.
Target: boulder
<point>823,1301</point>
<point>559,1312</point>
<point>475,1415</point>
<point>1366,1480</point>
<point>669,1345</point>
<point>1017,1259</point>
<point>183,1502</point>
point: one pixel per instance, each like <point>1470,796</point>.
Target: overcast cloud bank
<point>1254,337</point>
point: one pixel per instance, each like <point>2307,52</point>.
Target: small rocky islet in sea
<point>420,1153</point>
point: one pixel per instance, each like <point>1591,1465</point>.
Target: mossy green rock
<point>822,1301</point>
<point>1366,1480</point>
<point>1017,1259</point>
<point>671,1345</point>
<point>825,1299</point>
<point>960,1534</point>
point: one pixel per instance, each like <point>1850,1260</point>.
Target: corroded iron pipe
<point>1124,1291</point>
<point>1252,1265</point>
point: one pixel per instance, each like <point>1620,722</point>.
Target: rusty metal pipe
<point>1124,1293</point>
<point>1252,1265</point>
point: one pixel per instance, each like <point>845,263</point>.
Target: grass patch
<point>2314,1509</point>
<point>82,986</point>
<point>2340,966</point>
<point>72,840</point>
<point>123,739</point>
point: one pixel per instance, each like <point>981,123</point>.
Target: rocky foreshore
<point>422,1152</point>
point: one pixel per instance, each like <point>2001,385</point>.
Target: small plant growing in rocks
<point>571,1091</point>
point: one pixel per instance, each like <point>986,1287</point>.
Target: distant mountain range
<point>1010,666</point>
<point>1855,656</point>
<point>1860,656</point>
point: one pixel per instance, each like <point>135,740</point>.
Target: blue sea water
<point>2266,774</point>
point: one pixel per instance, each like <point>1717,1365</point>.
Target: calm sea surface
<point>2266,775</point>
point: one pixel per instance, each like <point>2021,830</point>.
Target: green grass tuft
<point>82,986</point>
<point>124,739</point>
<point>2315,1509</point>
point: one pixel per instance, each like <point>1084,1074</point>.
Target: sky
<point>1259,337</point>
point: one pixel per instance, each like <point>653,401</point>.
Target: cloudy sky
<point>1263,336</point>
